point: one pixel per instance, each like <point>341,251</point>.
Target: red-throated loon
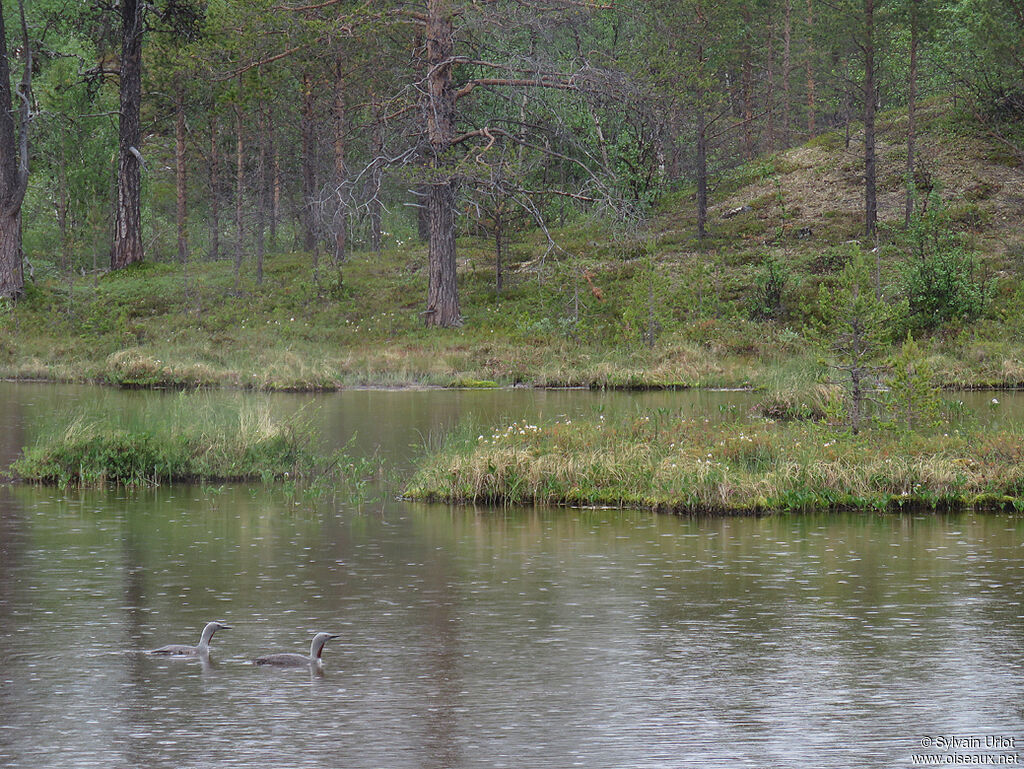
<point>292,660</point>
<point>200,649</point>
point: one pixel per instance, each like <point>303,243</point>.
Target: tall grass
<point>192,439</point>
<point>672,463</point>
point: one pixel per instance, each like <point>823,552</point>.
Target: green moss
<point>473,384</point>
<point>830,140</point>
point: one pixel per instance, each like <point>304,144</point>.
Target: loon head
<point>317,646</point>
<point>210,629</point>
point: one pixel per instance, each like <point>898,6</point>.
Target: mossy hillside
<point>575,316</point>
<point>672,463</point>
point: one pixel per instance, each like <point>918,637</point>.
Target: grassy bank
<point>193,442</point>
<point>671,463</point>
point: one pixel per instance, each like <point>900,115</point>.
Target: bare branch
<point>253,65</point>
<point>541,83</point>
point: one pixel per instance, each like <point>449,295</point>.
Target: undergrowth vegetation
<point>603,309</point>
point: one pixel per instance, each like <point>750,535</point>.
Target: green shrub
<point>938,278</point>
<point>912,399</point>
<point>766,302</point>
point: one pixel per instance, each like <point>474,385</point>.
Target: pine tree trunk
<point>12,278</point>
<point>127,243</point>
<point>340,224</point>
<point>811,128</point>
<point>702,142</point>
<point>442,296</point>
<point>770,95</point>
<point>702,174</point>
<point>787,66</point>
<point>375,184</point>
<point>308,167</point>
<point>274,181</point>
<point>239,195</point>
<point>214,191</point>
<point>911,112</point>
<point>498,244</point>
<point>439,116</point>
<point>13,178</point>
<point>63,204</point>
<point>181,190</point>
<point>870,171</point>
<point>261,196</point>
<point>747,80</point>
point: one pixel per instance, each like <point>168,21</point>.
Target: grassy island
<point>684,465</point>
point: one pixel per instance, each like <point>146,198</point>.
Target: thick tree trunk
<point>308,167</point>
<point>214,191</point>
<point>911,112</point>
<point>811,128</point>
<point>12,278</point>
<point>13,173</point>
<point>439,116</point>
<point>442,295</point>
<point>870,171</point>
<point>180,180</point>
<point>127,244</point>
<point>340,224</point>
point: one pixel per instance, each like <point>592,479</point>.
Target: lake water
<point>490,638</point>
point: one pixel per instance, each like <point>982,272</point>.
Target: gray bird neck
<point>204,640</point>
<point>316,648</point>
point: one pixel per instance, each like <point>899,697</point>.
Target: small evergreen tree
<point>938,279</point>
<point>859,321</point>
<point>913,400</point>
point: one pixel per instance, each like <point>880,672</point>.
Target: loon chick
<point>291,660</point>
<point>199,650</point>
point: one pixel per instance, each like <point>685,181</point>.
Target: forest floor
<point>575,315</point>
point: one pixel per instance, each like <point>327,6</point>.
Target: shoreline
<point>311,388</point>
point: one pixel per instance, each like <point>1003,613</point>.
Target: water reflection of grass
<point>194,440</point>
<point>679,464</point>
